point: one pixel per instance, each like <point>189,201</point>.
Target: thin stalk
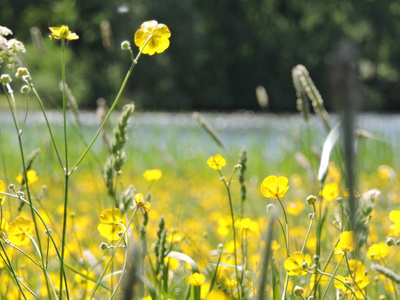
<point>309,230</point>
<point>47,124</point>
<point>330,281</point>
<point>113,254</point>
<point>28,192</point>
<point>227,186</point>
<point>287,246</point>
<point>128,74</point>
<point>10,267</point>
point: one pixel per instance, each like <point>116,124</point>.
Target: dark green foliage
<point>220,50</point>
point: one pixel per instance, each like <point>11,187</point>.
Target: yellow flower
<point>247,224</point>
<point>19,231</point>
<point>378,251</point>
<point>32,177</point>
<point>330,191</point>
<point>173,263</point>
<point>295,207</point>
<point>297,264</point>
<point>152,175</point>
<point>346,243</point>
<point>216,162</point>
<point>141,203</point>
<point>357,280</point>
<point>394,216</point>
<point>112,224</point>
<point>274,187</point>
<point>217,295</point>
<point>62,32</point>
<point>156,35</point>
<point>2,190</point>
<point>197,279</point>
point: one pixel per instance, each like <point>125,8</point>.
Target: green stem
<point>309,230</point>
<point>28,192</point>
<point>47,124</point>
<point>332,277</point>
<point>134,63</point>
<point>113,254</point>
<point>66,172</point>
<point>234,233</point>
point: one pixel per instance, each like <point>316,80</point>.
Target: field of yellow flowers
<point>85,214</point>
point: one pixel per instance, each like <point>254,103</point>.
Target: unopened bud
<point>21,72</point>
<point>125,45</point>
<point>311,200</point>
<point>298,291</point>
<point>390,242</point>
<point>5,78</point>
<point>103,246</point>
<point>25,89</point>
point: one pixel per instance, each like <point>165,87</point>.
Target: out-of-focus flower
<point>330,191</point>
<point>216,162</point>
<point>247,224</point>
<point>156,35</point>
<point>62,32</point>
<point>31,175</point>
<point>378,251</point>
<point>19,231</point>
<point>386,172</point>
<point>141,202</point>
<point>394,216</point>
<point>295,207</point>
<point>196,279</point>
<point>112,224</point>
<point>173,263</point>
<point>152,175</point>
<point>297,264</point>
<point>274,187</point>
<point>217,295</point>
<point>346,243</point>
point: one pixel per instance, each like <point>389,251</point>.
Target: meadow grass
<point>167,207</point>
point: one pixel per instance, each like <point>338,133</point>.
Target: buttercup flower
<point>346,243</point>
<point>297,264</point>
<point>152,175</point>
<point>330,191</point>
<point>157,34</point>
<point>358,280</point>
<point>62,32</point>
<point>378,251</point>
<point>19,231</point>
<point>112,224</point>
<point>141,203</point>
<point>274,187</point>
<point>32,177</point>
<point>196,279</point>
<point>247,224</point>
<point>295,207</point>
<point>216,162</point>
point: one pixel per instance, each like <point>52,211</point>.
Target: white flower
<point>4,31</point>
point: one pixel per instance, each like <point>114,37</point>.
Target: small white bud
<point>125,45</point>
<point>5,78</point>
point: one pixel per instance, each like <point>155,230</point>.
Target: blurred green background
<point>220,50</point>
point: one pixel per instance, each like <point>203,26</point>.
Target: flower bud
<point>5,78</point>
<point>311,200</point>
<point>21,72</point>
<point>25,89</point>
<point>103,246</point>
<point>125,45</point>
<point>298,291</point>
<point>27,78</point>
<point>390,242</point>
